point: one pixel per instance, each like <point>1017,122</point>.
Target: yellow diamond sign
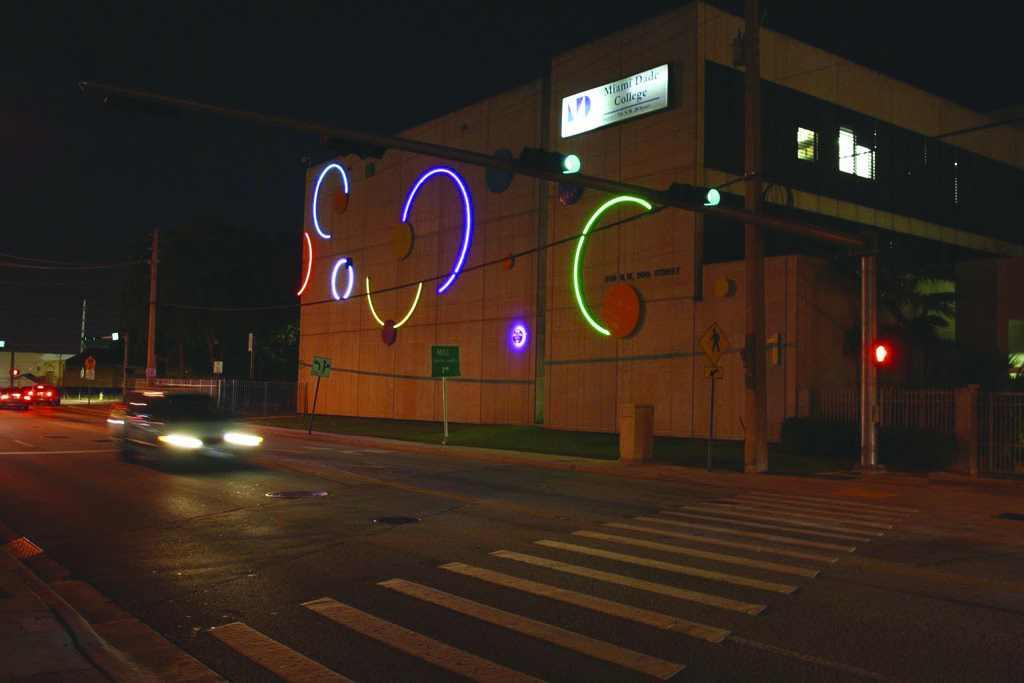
<point>715,343</point>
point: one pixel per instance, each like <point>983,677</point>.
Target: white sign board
<point>218,367</point>
<point>90,373</point>
<point>150,372</point>
<point>624,99</point>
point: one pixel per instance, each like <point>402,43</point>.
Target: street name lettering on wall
<point>635,95</point>
<point>642,274</point>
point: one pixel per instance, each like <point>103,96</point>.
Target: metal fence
<point>244,397</point>
<point>923,408</point>
<point>1001,432</point>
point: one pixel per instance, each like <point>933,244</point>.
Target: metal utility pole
<point>252,354</point>
<point>151,343</point>
<point>81,341</point>
<point>124,380</point>
<point>868,371</point>
<point>755,438</point>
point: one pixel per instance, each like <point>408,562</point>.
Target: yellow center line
<point>752,534</point>
<point>429,650</point>
<point>718,557</point>
<point>630,582</point>
<point>616,609</point>
<point>671,567</point>
<point>722,541</point>
<point>276,658</point>
<point>578,642</point>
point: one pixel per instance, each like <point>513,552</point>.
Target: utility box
<point>636,433</point>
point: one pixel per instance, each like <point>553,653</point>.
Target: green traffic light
<point>571,164</point>
<point>712,198</point>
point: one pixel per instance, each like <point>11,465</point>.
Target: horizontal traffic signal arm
<point>662,197</point>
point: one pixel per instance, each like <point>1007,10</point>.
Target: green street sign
<point>321,366</point>
<point>444,361</point>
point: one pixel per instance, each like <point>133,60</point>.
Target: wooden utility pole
<point>151,342</point>
<point>755,439</point>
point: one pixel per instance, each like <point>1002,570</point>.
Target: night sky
<point>83,184</point>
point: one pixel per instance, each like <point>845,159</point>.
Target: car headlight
<point>240,439</point>
<point>180,440</point>
<point>115,421</point>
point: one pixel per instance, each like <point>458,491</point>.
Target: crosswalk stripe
<point>838,503</point>
<point>429,650</point>
<point>276,658</point>
<point>751,534</point>
<point>671,567</point>
<point>578,642</point>
<point>787,518</point>
<point>721,541</point>
<point>852,526</point>
<point>786,525</point>
<point>630,582</point>
<point>616,609</point>
<point>759,500</point>
<point>718,557</point>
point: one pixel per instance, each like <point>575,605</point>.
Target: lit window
<point>854,158</point>
<point>806,144</point>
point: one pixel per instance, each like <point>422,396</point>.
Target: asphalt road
<point>503,564</point>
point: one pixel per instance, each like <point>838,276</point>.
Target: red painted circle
<point>388,333</point>
<point>621,310</point>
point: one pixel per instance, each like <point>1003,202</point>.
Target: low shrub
<point>819,437</point>
<point>909,448</point>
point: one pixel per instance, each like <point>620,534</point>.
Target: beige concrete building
<point>656,103</point>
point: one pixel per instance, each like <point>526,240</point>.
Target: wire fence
<point>1001,432</point>
<point>922,408</point>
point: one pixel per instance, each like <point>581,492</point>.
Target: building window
<point>806,144</point>
<point>853,158</point>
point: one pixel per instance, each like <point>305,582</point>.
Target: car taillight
<point>49,393</point>
<point>27,397</point>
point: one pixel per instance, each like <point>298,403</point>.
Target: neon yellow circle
<point>579,253</point>
<point>419,289</point>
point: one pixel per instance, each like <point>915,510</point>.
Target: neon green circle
<point>579,253</point>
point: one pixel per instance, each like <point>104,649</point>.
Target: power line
<point>64,263</point>
<point>435,278</point>
<point>26,266</point>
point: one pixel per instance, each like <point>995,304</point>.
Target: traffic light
<point>693,194</point>
<point>344,148</point>
<point>543,160</point>
<point>881,353</point>
<point>15,372</point>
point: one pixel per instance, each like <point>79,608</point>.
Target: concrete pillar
<point>636,433</point>
<point>965,411</point>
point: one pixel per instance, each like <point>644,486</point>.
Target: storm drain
<point>396,520</point>
<point>296,494</point>
<point>22,548</point>
<point>1011,515</point>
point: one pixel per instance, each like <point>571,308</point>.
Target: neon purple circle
<point>518,336</point>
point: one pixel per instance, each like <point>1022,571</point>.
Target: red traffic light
<point>881,353</point>
<point>14,372</point>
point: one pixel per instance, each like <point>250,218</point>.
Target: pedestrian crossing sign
<point>715,343</point>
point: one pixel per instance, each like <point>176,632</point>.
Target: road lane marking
<point>720,541</point>
<point>812,528</point>
<point>276,658</point>
<point>816,507</point>
<point>786,518</point>
<point>578,642</point>
<point>671,567</point>
<point>102,450</point>
<point>616,609</point>
<point>630,582</point>
<point>718,557</point>
<point>848,525</point>
<point>814,660</point>
<point>429,650</point>
<point>24,444</point>
<point>843,503</point>
<point>751,534</point>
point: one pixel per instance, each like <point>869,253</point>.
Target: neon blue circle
<point>316,195</point>
<point>467,205</point>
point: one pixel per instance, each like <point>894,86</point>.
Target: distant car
<point>16,398</point>
<point>177,426</point>
<point>46,393</point>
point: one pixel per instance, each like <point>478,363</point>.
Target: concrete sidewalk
<point>44,638</point>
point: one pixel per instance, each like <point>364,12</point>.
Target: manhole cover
<point>1011,515</point>
<point>396,520</point>
<point>296,494</point>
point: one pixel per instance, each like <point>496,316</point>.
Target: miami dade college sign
<point>624,99</point>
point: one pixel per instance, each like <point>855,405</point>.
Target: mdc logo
<point>578,109</point>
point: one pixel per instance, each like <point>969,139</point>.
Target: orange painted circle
<point>340,201</point>
<point>621,310</point>
<point>401,240</point>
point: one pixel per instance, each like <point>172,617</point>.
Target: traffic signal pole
<point>868,370</point>
<point>151,338</point>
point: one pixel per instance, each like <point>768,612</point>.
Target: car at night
<point>16,398</point>
<point>171,426</point>
<point>46,394</point>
